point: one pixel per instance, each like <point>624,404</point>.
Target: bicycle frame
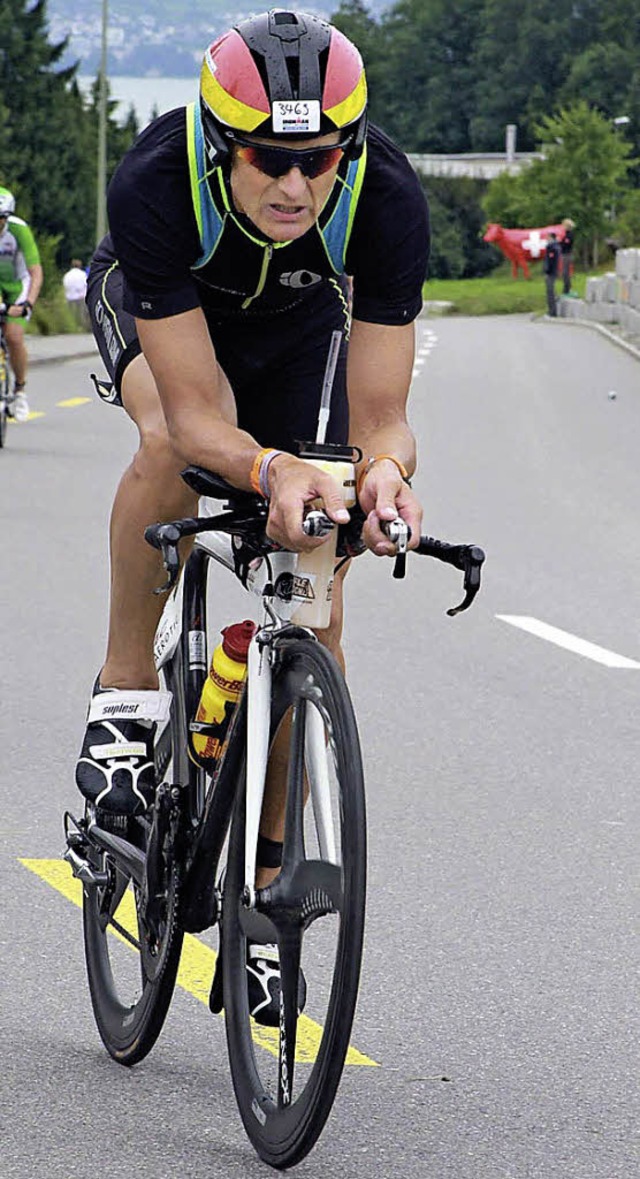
<point>5,363</point>
<point>181,652</point>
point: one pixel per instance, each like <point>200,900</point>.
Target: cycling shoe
<point>116,770</point>
<point>263,984</point>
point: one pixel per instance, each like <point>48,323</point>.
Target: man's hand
<point>20,310</point>
<point>383,496</point>
<point>295,485</point>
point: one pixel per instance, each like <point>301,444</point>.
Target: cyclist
<point>213,300</point>
<point>20,283</point>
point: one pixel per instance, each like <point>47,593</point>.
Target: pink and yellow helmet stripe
<point>231,85</point>
<point>345,87</point>
<point>233,90</point>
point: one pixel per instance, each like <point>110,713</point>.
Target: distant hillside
<point>167,41</point>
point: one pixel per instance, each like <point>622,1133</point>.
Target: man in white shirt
<point>75,289</point>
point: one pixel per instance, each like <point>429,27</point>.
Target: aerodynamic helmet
<point>282,74</point>
<point>7,202</point>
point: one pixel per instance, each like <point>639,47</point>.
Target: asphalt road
<point>500,985</point>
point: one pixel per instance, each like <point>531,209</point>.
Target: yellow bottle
<point>222,687</point>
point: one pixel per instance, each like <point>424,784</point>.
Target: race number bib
<point>296,118</point>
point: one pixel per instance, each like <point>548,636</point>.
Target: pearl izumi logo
<point>106,326</point>
<point>299,279</point>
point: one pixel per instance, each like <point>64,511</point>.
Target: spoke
<point>290,947</point>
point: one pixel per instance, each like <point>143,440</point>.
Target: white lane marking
<point>427,342</point>
<point>562,638</point>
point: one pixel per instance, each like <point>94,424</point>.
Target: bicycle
<point>6,397</point>
<point>159,878</point>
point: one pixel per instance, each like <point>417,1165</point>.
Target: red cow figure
<point>522,246</point>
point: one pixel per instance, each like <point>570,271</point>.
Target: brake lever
<point>351,544</point>
<point>165,538</point>
<point>399,534</point>
<point>474,557</point>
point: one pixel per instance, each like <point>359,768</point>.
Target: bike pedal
<point>83,870</point>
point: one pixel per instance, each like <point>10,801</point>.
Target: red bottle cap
<point>236,639</point>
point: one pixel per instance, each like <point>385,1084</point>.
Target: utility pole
<point>510,142</point>
<point>101,179</point>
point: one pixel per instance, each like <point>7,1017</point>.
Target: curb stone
<point>36,360</point>
<point>436,307</point>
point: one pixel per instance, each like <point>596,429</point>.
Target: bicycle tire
<point>129,1029</point>
<point>4,396</point>
<point>283,1134</point>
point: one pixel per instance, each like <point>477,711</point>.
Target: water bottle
<point>314,574</point>
<point>222,689</point>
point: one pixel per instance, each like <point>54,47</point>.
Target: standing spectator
<point>75,289</point>
<point>566,245</point>
<point>550,266</point>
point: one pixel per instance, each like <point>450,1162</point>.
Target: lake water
<point>146,93</point>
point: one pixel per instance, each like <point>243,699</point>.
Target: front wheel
<point>285,1078</point>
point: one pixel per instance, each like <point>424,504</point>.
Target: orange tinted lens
<point>275,161</point>
<point>327,158</point>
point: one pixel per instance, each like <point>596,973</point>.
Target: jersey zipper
<point>266,259</point>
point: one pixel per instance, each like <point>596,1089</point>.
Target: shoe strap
<point>267,953</point>
<point>121,751</point>
<point>115,705</point>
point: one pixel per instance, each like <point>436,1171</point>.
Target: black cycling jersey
<point>154,237</point>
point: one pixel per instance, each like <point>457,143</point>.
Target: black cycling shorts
<point>275,363</point>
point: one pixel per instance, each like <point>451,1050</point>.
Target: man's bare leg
<point>115,767</point>
<point>273,809</point>
<point>150,490</point>
<point>14,335</point>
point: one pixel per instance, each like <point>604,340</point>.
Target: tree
<point>428,71</point>
<point>627,225</point>
<point>582,176</point>
<point>457,219</point>
<point>354,20</point>
<point>49,137</point>
<point>522,57</point>
<point>418,61</point>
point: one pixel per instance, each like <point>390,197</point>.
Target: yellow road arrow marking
<point>196,966</point>
<point>71,401</point>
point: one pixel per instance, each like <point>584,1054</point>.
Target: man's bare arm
<point>379,376</point>
<point>35,286</point>
<point>200,412</point>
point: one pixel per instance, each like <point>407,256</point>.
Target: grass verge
<point>497,293</point>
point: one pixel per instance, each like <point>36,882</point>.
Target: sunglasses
<point>277,161</point>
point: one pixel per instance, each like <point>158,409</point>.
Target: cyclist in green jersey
<point>20,283</point>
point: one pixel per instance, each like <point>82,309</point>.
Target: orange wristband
<point>375,459</point>
<point>254,477</point>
